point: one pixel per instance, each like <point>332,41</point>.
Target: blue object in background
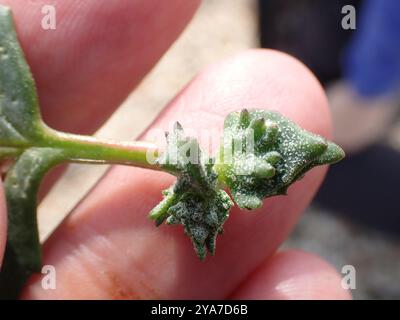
<point>372,60</point>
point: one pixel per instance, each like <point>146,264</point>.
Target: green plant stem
<point>94,150</point>
<point>9,152</point>
<point>23,250</point>
<point>86,149</point>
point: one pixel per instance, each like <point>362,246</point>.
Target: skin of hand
<point>374,116</point>
<point>107,248</point>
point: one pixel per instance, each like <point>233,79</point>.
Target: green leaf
<point>20,120</point>
<point>263,153</point>
<point>21,133</point>
<point>23,250</point>
<point>195,200</point>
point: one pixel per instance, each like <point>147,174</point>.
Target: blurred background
<point>355,218</point>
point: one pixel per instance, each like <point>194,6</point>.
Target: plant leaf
<point>263,153</point>
<point>194,200</point>
<point>20,120</point>
<point>22,132</point>
<point>23,249</point>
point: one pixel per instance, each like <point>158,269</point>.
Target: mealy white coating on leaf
<point>261,154</point>
<point>291,151</point>
<point>195,200</point>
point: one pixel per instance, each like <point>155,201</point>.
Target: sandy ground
<point>234,28</point>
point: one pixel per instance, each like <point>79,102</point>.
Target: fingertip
<point>293,275</point>
<point>306,100</point>
<point>254,78</point>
